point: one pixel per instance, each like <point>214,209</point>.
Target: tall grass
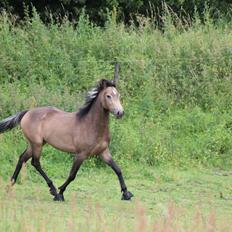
<point>175,84</point>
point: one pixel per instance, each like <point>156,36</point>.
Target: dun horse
<point>83,133</point>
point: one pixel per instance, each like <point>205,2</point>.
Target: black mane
<point>92,95</point>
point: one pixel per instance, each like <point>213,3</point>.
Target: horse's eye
<point>108,96</point>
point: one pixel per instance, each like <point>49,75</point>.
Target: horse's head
<point>110,99</point>
<point>110,95</point>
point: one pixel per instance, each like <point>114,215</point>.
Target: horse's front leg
<point>106,156</point>
<point>79,158</point>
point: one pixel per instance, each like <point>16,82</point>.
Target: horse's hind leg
<point>24,157</point>
<point>36,152</point>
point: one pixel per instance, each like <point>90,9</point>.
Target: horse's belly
<point>63,143</point>
<point>64,147</point>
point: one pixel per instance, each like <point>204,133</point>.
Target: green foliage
<point>175,85</point>
<point>127,10</point>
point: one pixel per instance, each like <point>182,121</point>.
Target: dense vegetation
<point>175,85</point>
<point>127,9</point>
<point>176,90</point>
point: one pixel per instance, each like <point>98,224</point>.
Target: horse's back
<point>36,122</point>
<point>38,114</point>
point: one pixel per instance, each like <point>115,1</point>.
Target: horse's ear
<point>116,73</point>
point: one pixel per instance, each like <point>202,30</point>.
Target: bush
<point>175,84</point>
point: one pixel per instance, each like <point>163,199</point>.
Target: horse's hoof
<point>12,181</point>
<point>59,197</point>
<point>53,192</point>
<point>127,196</point>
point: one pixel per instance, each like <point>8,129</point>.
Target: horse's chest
<point>93,143</point>
<point>99,148</point>
<point>100,144</point>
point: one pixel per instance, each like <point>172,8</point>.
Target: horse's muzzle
<point>119,114</point>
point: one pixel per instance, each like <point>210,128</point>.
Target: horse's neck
<point>99,118</point>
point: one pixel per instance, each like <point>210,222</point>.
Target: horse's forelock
<point>103,83</point>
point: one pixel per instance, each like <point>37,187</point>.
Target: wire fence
<point>225,54</point>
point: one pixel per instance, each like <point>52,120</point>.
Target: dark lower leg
<point>36,163</point>
<point>118,172</point>
<point>75,167</point>
<point>126,194</point>
<point>24,157</point>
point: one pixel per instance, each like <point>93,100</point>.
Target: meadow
<point>165,199</point>
<point>174,143</point>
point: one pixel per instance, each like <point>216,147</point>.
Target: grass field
<point>166,199</point>
<point>174,144</point>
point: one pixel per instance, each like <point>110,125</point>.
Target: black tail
<point>12,121</point>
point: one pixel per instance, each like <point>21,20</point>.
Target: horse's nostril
<point>119,114</point>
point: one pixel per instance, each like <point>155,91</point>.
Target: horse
<point>83,133</point>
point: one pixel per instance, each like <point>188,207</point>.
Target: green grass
<point>167,199</point>
<point>174,143</point>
